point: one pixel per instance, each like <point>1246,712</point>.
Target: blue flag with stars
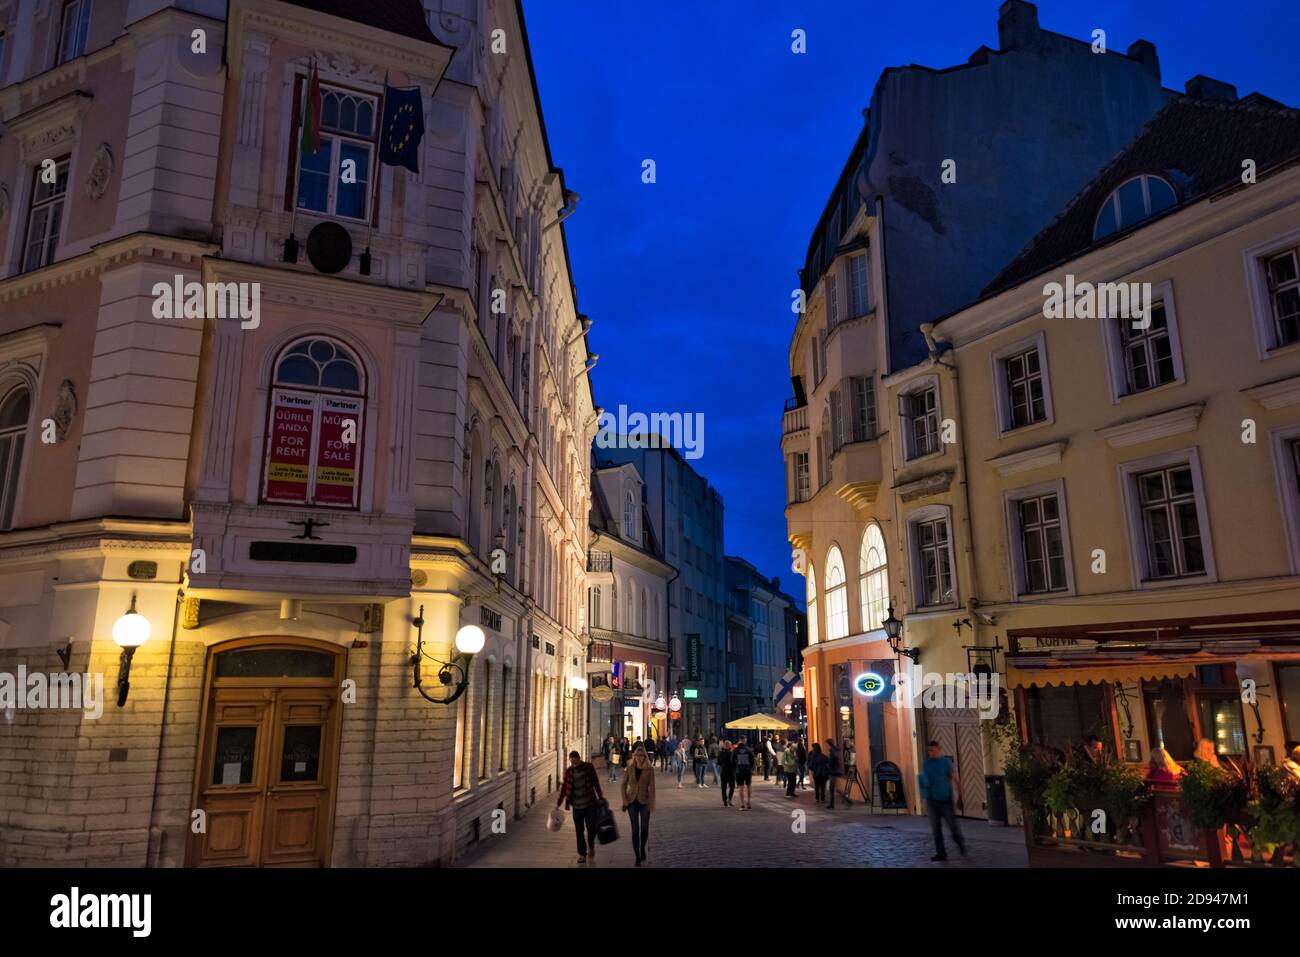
<point>403,128</point>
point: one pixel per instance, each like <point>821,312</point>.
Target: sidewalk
<point>692,828</point>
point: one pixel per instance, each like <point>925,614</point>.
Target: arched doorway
<point>268,754</point>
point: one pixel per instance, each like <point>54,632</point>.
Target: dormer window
<point>629,518</point>
<point>1133,201</point>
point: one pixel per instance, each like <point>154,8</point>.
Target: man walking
<point>700,759</point>
<point>726,762</point>
<point>581,792</point>
<point>744,773</point>
<point>801,754</point>
<point>938,785</point>
<point>834,769</point>
<point>769,756</point>
<point>714,750</point>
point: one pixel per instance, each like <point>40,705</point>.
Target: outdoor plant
<point>1212,796</point>
<point>1276,809</point>
<point>1028,771</point>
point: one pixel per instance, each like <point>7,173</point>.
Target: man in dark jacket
<point>727,766</point>
<point>801,755</point>
<point>835,766</point>
<point>581,791</point>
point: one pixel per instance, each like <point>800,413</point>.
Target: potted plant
<point>1215,799</point>
<point>1028,770</point>
<point>1277,813</point>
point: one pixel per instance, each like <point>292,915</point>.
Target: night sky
<point>689,280</point>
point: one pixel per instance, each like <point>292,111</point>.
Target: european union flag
<point>403,128</point>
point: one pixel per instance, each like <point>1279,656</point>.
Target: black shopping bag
<point>606,829</point>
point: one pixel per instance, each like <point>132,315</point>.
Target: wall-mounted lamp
<point>469,642</point>
<point>130,632</point>
<point>894,633</point>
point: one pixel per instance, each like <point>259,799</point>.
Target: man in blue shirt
<point>938,782</point>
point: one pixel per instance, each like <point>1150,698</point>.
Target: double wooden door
<point>958,734</point>
<point>266,778</point>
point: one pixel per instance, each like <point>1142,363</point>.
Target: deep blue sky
<point>688,280</point>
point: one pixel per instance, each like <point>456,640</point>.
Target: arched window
<point>613,606</point>
<point>629,517</point>
<point>874,581</point>
<point>15,409</point>
<point>644,631</point>
<point>812,605</point>
<point>1131,202</point>
<point>630,625</point>
<point>837,596</point>
<point>314,438</point>
<point>595,606</point>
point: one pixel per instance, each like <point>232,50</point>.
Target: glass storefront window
<point>1222,723</point>
<point>1168,720</point>
<point>1288,679</point>
<point>1062,717</point>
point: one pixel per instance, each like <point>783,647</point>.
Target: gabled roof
<point>403,17</point>
<point>1198,145</point>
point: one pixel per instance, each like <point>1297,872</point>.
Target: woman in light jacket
<point>679,759</point>
<point>639,800</point>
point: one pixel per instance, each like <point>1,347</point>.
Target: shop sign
<point>293,417</point>
<point>889,782</point>
<point>692,657</point>
<point>602,693</point>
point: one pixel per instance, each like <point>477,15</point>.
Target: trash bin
<point>995,796</point>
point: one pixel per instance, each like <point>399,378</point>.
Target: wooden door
<point>970,769</point>
<point>268,757</point>
<point>299,768</point>
<point>232,779</point>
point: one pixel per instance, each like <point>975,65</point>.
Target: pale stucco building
<point>291,500</point>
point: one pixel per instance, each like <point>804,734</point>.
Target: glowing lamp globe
<point>660,704</point>
<point>577,683</point>
<point>470,640</point>
<point>675,704</point>
<point>132,629</point>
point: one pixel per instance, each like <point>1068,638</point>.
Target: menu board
<point>293,416</point>
<point>337,454</point>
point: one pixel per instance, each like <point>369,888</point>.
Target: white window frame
<point>922,384</point>
<point>1117,361</point>
<point>919,517</point>
<point>81,27</point>
<point>335,149</point>
<point>1288,488</point>
<point>1011,500</point>
<point>1001,389</point>
<point>833,311</point>
<point>1112,199</point>
<point>879,571</point>
<point>802,477</point>
<point>1136,527</point>
<point>1261,303</point>
<point>810,596</point>
<point>860,304</point>
<point>837,596</point>
<point>61,200</point>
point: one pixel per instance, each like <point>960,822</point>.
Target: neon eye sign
<point>869,683</point>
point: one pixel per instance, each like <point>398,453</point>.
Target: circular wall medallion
<point>419,577</point>
<point>329,247</point>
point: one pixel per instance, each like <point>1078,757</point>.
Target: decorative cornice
<point>1028,459</point>
<point>1276,394</point>
<point>926,485</point>
<point>113,253</point>
<point>45,130</point>
<point>1152,427</point>
<point>859,494</point>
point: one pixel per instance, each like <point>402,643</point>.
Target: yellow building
<point>1136,474</point>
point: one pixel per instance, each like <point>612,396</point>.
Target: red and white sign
<point>337,451</point>
<point>293,418</point>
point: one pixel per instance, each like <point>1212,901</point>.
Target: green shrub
<point>1212,796</point>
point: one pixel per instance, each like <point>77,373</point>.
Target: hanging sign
<point>869,683</point>
<point>293,418</point>
<point>692,657</point>
<point>337,451</point>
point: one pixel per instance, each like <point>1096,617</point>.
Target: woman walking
<point>700,755</point>
<point>790,766</point>
<point>679,759</point>
<point>639,800</point>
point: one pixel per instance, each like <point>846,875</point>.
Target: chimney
<point>1206,88</point>
<point>1144,51</point>
<point>1017,25</point>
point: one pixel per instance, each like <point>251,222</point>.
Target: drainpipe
<point>162,730</point>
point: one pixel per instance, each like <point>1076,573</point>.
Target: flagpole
<point>379,185</point>
<point>292,242</point>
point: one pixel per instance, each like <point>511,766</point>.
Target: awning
<point>762,722</point>
<point>1097,674</point>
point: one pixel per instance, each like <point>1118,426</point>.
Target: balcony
<point>858,472</point>
<point>794,419</point>
<point>600,568</point>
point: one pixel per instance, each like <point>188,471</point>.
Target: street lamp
<point>130,632</point>
<point>469,641</point>
<point>894,633</point>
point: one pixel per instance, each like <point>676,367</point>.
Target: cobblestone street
<point>691,828</point>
